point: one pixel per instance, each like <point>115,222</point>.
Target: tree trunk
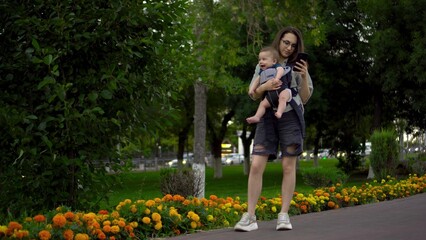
<point>199,166</point>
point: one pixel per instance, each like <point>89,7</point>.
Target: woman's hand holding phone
<point>299,64</point>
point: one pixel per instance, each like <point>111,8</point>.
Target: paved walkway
<point>403,219</point>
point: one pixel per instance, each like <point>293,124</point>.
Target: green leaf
<point>46,141</point>
<point>98,109</point>
<point>32,117</point>
<point>48,59</point>
<point>46,80</point>
<point>35,44</point>
<point>106,94</point>
<point>93,96</point>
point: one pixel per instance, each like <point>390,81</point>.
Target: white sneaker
<point>283,222</point>
<point>247,223</point>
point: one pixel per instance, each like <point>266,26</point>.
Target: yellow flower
<point>195,217</point>
<point>210,218</point>
<point>150,203</point>
<point>156,217</point>
<point>147,211</point>
<point>193,225</point>
<point>3,229</point>
<point>115,229</point>
<point>158,226</point>
<point>134,224</point>
<point>146,220</point>
<point>81,236</point>
<point>160,208</point>
<point>274,209</point>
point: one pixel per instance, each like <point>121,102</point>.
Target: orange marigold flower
<point>178,198</point>
<point>186,202</point>
<point>21,234</point>
<point>44,235</point>
<point>112,238</point>
<point>81,236</point>
<point>96,225</point>
<point>14,226</point>
<point>304,208</point>
<point>69,216</point>
<point>128,228</point>
<point>168,197</point>
<point>59,220</point>
<point>68,234</point>
<point>106,228</point>
<point>347,199</point>
<point>101,235</point>
<point>331,204</point>
<point>103,212</point>
<point>121,223</point>
<point>39,218</point>
<point>176,231</point>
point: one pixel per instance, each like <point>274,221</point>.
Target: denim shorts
<point>272,132</point>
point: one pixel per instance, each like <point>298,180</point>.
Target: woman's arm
<point>305,86</point>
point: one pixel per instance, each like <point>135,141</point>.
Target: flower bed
<point>174,215</point>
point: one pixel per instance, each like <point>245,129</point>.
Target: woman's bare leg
<point>289,181</point>
<point>257,168</point>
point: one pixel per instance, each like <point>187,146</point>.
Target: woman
<point>288,131</point>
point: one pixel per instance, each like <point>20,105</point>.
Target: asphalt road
<point>399,219</point>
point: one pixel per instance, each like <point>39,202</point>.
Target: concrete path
<point>403,219</point>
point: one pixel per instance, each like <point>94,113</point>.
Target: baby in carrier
<point>271,69</point>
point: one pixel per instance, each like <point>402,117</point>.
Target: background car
<point>232,159</point>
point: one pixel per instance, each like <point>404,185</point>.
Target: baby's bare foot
<point>278,115</point>
<point>253,119</point>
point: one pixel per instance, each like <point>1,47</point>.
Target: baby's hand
<point>276,82</point>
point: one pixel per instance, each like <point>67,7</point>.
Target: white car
<point>174,163</point>
<point>233,159</point>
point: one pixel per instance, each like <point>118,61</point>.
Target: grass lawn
<point>146,185</point>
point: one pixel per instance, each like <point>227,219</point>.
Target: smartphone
<point>301,56</point>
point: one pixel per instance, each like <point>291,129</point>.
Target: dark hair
<point>273,51</point>
<point>300,47</point>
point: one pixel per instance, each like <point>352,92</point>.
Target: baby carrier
<point>272,96</point>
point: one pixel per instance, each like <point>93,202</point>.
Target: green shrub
<point>384,153</point>
<point>322,177</point>
<point>349,163</point>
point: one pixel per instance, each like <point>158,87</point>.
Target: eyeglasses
<point>288,43</point>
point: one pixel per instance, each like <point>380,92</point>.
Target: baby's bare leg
<point>285,96</point>
<point>263,105</point>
